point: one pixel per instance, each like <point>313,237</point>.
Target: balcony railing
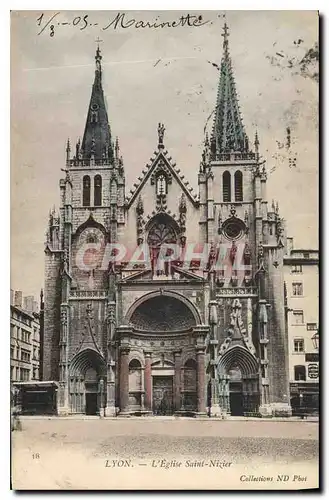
<point>88,294</point>
<point>234,156</point>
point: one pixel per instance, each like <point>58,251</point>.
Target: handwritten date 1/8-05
<point>120,20</point>
<point>81,22</point>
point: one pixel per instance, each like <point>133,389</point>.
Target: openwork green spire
<point>228,131</point>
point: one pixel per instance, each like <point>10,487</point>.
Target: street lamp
<point>315,340</point>
<point>301,396</point>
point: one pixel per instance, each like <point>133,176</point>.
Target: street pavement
<point>164,454</point>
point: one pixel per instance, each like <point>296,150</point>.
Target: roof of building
<point>302,256</point>
<point>228,131</point>
<point>97,141</point>
<point>23,311</point>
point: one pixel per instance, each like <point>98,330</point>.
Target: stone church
<point>197,331</point>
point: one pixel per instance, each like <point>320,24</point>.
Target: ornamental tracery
<point>140,221</point>
<point>162,232</point>
<point>233,228</point>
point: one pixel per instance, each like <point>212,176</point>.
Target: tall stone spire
<point>96,140</point>
<point>228,131</point>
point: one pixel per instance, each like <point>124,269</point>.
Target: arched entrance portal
<point>87,385</point>
<point>238,372</point>
<point>162,354</point>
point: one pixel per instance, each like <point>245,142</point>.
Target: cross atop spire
<point>228,131</point>
<point>98,56</point>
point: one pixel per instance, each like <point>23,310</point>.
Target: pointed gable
<point>161,161</point>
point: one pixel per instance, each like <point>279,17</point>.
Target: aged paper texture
<point>164,250</point>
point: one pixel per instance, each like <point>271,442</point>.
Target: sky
<point>164,75</point>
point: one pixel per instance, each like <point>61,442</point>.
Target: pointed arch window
<point>238,186</point>
<point>97,191</point>
<point>226,186</point>
<point>86,191</point>
<point>161,185</point>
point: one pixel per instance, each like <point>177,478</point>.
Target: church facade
<point>161,300</point>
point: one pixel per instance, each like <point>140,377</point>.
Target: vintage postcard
<point>164,323</point>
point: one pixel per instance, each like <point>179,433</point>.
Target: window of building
<point>226,186</point>
<point>297,289</point>
<point>25,336</point>
<point>299,345</point>
<point>233,229</point>
<point>161,184</point>
<point>300,372</point>
<point>25,374</point>
<point>12,352</point>
<point>86,191</point>
<point>297,269</point>
<point>35,373</point>
<point>311,326</point>
<point>25,356</point>
<point>306,255</point>
<point>17,373</point>
<point>298,317</point>
<point>238,186</point>
<point>97,191</point>
<point>12,375</point>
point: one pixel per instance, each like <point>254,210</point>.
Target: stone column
<point>201,380</point>
<point>177,381</point>
<point>124,380</point>
<point>148,382</point>
<point>110,391</point>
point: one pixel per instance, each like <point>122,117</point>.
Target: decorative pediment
<point>162,363</point>
<point>88,338</point>
<point>146,274</point>
<point>161,161</point>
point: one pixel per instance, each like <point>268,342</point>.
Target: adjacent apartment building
<point>301,269</point>
<point>24,338</point>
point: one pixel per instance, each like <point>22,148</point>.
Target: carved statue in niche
<point>233,252</point>
<point>247,263</point>
<point>261,266</point>
<point>66,261</point>
<point>161,131</point>
<point>236,330</point>
<point>140,212</point>
<point>182,218</point>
